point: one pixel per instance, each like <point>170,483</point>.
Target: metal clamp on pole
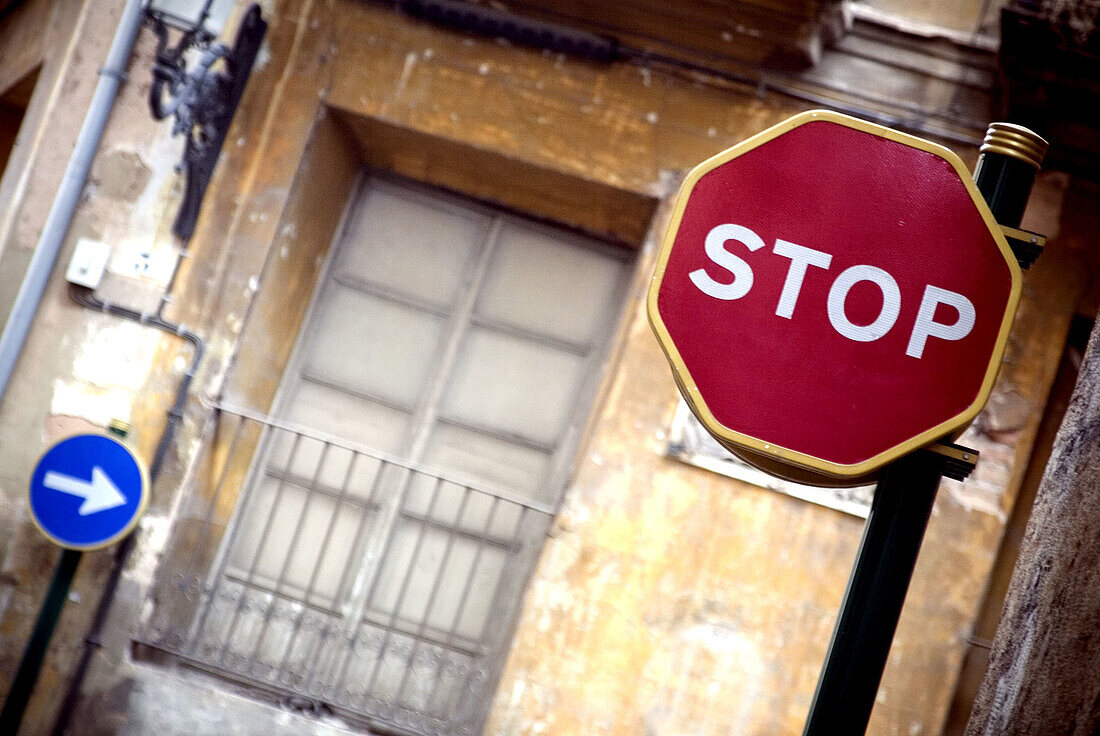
<point>1025,244</point>
<point>959,462</point>
<point>1010,158</point>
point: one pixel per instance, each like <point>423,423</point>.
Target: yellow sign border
<point>146,489</point>
<point>785,455</point>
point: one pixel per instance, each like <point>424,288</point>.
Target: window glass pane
<point>477,607</point>
<point>487,459</point>
<point>292,560</point>
<point>436,499</point>
<point>467,509</point>
<point>407,576</point>
<point>398,241</point>
<point>463,574</point>
<point>547,285</point>
<point>307,461</point>
<point>395,586</point>
<point>513,386</point>
<point>334,470</point>
<point>358,420</point>
<point>373,345</point>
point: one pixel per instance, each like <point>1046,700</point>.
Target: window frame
<point>459,322</point>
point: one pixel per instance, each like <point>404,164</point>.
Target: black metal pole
<point>902,505</point>
<point>35,652</point>
<point>1010,159</point>
<point>876,590</point>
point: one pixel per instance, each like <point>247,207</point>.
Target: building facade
<point>426,472</point>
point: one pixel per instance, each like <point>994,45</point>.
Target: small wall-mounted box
<point>88,263</point>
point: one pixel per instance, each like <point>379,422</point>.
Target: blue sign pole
<point>23,684</point>
<point>86,492</point>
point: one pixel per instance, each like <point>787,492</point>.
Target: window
<point>690,442</point>
<point>418,448</point>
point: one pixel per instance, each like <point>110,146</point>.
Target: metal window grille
<point>305,562</point>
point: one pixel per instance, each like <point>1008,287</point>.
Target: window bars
<point>348,577</point>
<point>449,335</point>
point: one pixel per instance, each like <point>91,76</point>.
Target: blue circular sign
<point>87,491</point>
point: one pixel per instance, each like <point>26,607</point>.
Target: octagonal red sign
<point>833,294</point>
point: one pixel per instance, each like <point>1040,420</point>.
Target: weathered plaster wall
<point>78,370</point>
<point>668,599</point>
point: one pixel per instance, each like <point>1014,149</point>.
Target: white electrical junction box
<point>88,263</point>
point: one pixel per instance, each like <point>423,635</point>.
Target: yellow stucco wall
<point>668,600</point>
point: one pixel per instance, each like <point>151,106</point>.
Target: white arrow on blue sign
<point>87,491</point>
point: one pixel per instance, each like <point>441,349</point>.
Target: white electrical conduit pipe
<point>68,194</point>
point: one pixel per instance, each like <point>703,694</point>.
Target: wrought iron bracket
<point>202,96</point>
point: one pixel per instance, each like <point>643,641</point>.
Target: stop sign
<point>831,295</point>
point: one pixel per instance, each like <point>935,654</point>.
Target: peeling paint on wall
<point>693,672</point>
<point>123,175</point>
<point>115,353</point>
<point>112,363</point>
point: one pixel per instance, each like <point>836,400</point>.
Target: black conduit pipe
<point>86,298</point>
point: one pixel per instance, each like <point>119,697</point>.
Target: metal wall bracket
<point>203,101</point>
<point>1026,245</point>
<point>958,461</point>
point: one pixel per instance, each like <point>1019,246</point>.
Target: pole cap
<point>1015,141</point>
<point>119,427</point>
